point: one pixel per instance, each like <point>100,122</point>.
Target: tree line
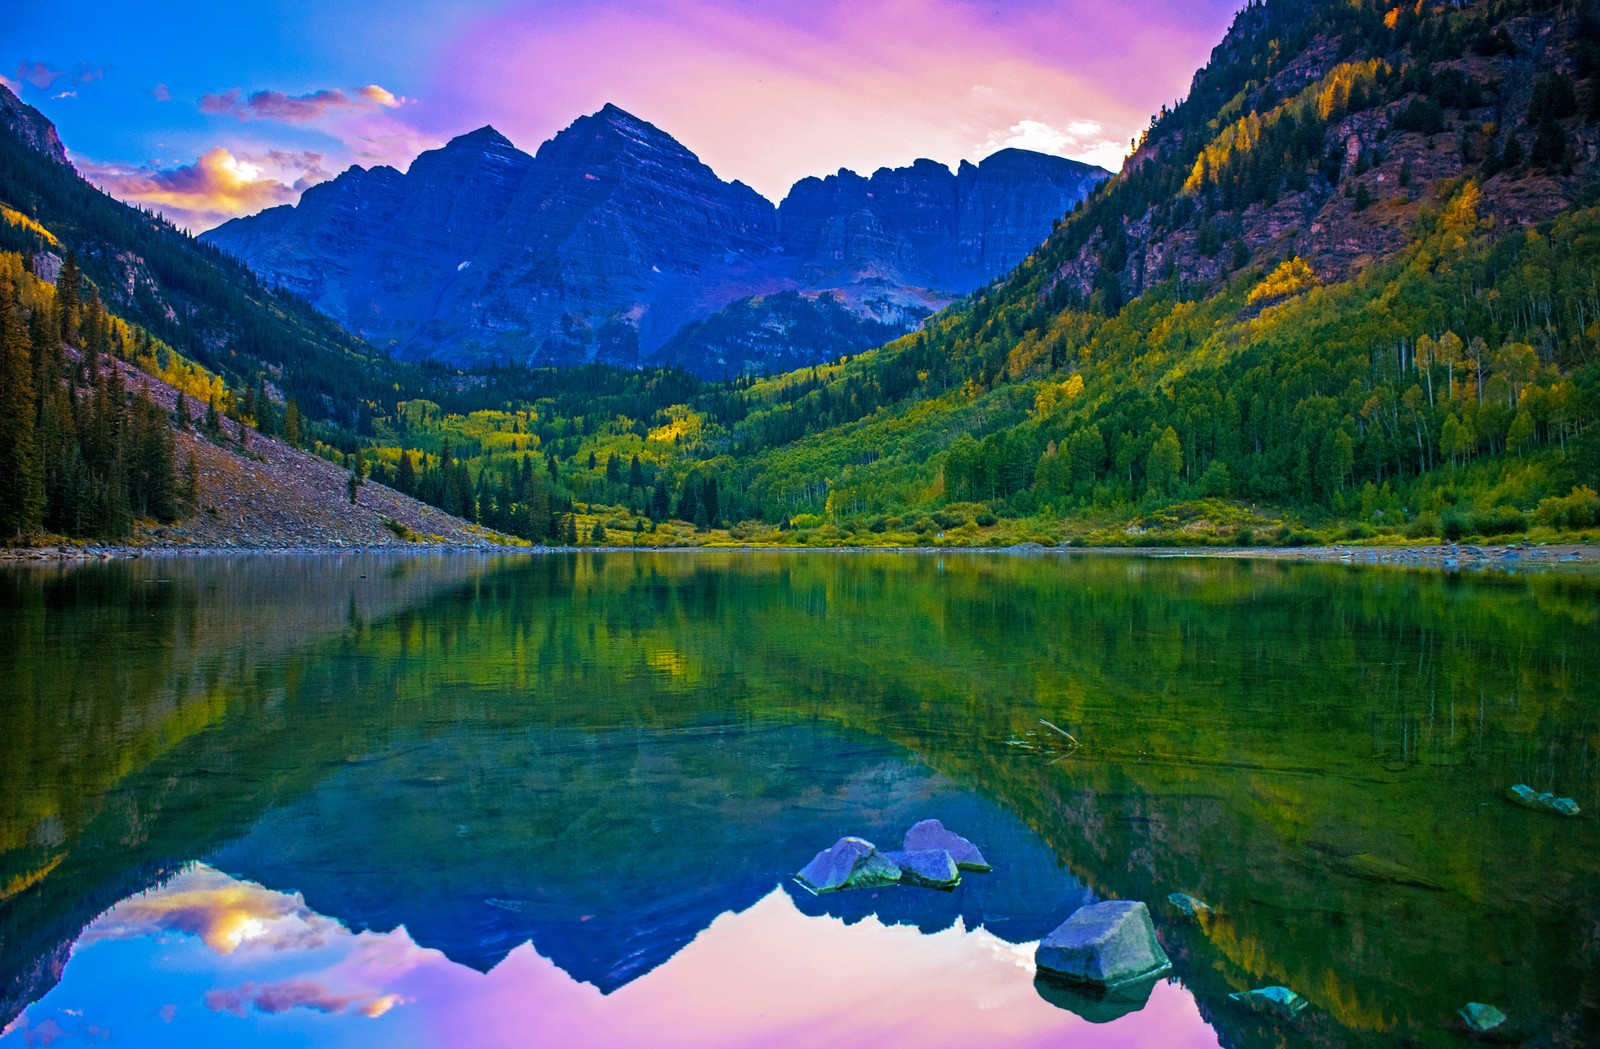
<point>81,454</point>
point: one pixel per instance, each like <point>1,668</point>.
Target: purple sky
<point>205,111</point>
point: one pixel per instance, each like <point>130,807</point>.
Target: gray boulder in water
<point>1277,1000</point>
<point>930,868</point>
<point>1104,945</point>
<point>852,863</point>
<point>931,834</point>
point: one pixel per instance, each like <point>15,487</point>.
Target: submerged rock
<point>1526,796</point>
<point>1480,1018</point>
<point>1190,906</point>
<point>852,863</point>
<point>930,868</point>
<point>1104,945</point>
<point>1523,794</point>
<point>1376,868</point>
<point>931,834</point>
<point>1279,1001</point>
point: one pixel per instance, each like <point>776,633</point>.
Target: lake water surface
<point>555,800</point>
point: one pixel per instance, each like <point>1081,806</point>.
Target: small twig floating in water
<point>1061,730</point>
<point>1070,738</point>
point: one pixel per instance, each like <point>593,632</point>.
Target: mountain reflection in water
<point>229,949</point>
<point>470,800</point>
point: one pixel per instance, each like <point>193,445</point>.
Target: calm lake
<point>556,800</point>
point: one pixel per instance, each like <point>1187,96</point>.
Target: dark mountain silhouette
<point>614,238</point>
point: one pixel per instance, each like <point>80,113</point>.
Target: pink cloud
<point>45,1034</point>
<point>298,994</point>
<point>216,187</point>
<point>769,93</point>
<point>296,109</point>
<point>42,76</point>
<point>38,74</point>
<point>161,93</point>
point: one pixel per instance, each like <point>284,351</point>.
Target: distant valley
<point>613,243</point>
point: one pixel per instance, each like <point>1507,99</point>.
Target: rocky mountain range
<point>615,243</point>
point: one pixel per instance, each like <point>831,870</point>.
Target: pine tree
<point>688,500</point>
<point>69,286</point>
<point>357,474</point>
<point>406,474</point>
<point>291,423</point>
<point>22,495</point>
<point>44,331</point>
<point>262,411</point>
<point>1511,155</point>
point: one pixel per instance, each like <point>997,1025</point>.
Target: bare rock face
<point>614,239</point>
<point>31,127</point>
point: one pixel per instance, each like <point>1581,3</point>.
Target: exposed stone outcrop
<point>30,125</point>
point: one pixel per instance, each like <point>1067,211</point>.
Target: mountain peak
<point>616,120</point>
<point>616,114</point>
<point>483,137</point>
<point>613,132</point>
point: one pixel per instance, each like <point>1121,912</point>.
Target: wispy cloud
<point>42,76</point>
<point>296,109</point>
<point>1080,139</point>
<point>161,93</point>
<point>218,186</point>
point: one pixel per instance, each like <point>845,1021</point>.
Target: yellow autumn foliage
<point>1292,277</point>
<point>18,219</point>
<point>1325,98</point>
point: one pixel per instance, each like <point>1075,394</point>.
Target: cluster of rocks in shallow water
<point>930,857</point>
